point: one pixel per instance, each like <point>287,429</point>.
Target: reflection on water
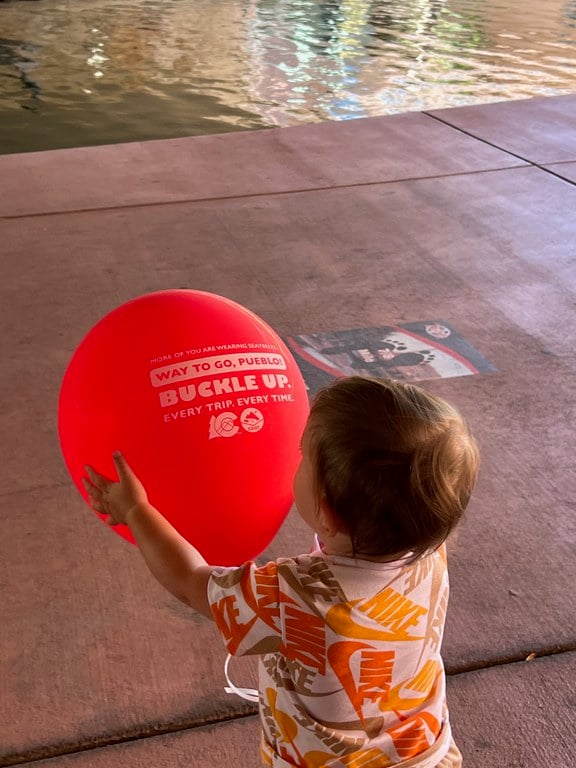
<point>78,72</point>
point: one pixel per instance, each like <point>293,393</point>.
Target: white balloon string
<point>250,694</point>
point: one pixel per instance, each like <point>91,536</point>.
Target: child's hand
<point>115,499</point>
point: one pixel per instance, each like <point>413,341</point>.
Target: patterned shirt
<point>350,673</point>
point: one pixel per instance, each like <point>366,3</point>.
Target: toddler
<point>348,636</point>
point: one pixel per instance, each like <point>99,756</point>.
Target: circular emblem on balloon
<point>207,404</point>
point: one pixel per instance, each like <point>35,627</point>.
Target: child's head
<point>394,464</point>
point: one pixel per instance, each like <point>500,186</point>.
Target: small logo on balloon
<point>223,425</point>
<point>252,419</point>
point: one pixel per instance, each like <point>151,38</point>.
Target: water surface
<point>83,72</point>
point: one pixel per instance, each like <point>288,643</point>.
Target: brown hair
<point>395,464</point>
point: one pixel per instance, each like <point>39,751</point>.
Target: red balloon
<point>206,403</point>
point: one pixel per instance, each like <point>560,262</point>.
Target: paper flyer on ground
<point>417,351</point>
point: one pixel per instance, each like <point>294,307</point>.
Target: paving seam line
<point>516,658</point>
<point>249,195</point>
<point>50,752</point>
<point>541,166</point>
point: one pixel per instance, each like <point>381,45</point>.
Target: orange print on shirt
<point>385,618</point>
<point>394,611</point>
<point>286,724</point>
<point>411,694</point>
<point>226,617</point>
<point>265,757</point>
<point>415,735</point>
<point>371,758</point>
<point>264,598</point>
<point>375,674</point>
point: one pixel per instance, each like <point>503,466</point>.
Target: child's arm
<point>175,563</point>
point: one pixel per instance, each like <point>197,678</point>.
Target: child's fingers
<point>122,467</point>
<point>93,491</point>
<point>97,480</point>
<point>95,494</point>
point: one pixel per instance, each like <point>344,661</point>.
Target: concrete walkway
<point>464,215</point>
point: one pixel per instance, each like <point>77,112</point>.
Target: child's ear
<point>327,519</point>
